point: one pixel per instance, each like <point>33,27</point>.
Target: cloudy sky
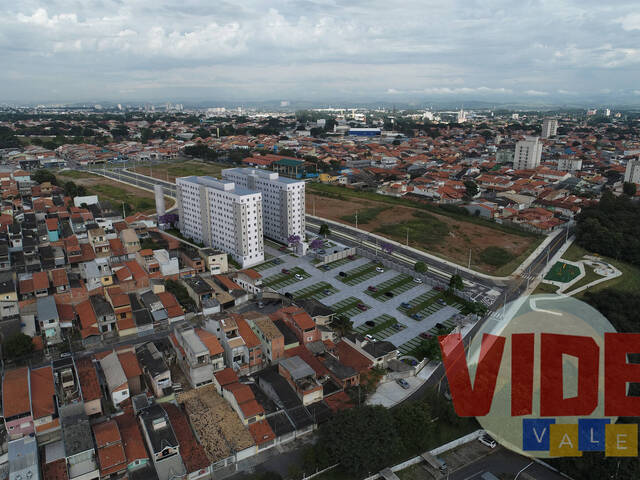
<point>319,50</point>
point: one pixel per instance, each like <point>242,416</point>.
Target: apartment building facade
<point>283,200</point>
<point>528,153</point>
<point>221,215</point>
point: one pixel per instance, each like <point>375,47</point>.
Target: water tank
<point>160,207</point>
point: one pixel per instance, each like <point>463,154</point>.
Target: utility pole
<point>407,243</point>
<point>356,219</point>
<point>469,258</point>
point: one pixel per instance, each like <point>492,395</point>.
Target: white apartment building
<point>221,215</point>
<point>549,127</point>
<point>528,153</point>
<point>283,200</point>
<point>569,164</point>
<point>632,173</point>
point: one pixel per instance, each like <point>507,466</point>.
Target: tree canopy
<point>18,345</point>
<point>420,267</point>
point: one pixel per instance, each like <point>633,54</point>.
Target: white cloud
<point>536,93</point>
<point>630,22</point>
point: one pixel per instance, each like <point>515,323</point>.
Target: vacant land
<point>448,235</point>
<point>171,170</point>
<point>365,216</point>
<point>562,272</point>
<point>114,192</point>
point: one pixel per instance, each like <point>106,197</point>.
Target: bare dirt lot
<point>455,240</point>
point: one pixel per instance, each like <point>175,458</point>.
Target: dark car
<point>426,335</point>
<point>342,274</point>
<point>370,323</point>
<point>440,326</point>
<point>288,295</point>
<point>371,288</point>
<point>361,306</point>
<point>389,294</point>
<point>405,305</point>
<point>285,271</point>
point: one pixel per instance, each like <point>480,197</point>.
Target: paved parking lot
<point>396,285</point>
<point>338,263</point>
<point>349,307</point>
<point>281,280</point>
<point>266,265</point>
<point>317,291</point>
<point>346,296</point>
<point>383,326</point>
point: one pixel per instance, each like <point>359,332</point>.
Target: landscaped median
<point>394,286</point>
<point>349,307</point>
<point>360,274</point>
<point>283,279</point>
<point>316,291</point>
<point>383,326</point>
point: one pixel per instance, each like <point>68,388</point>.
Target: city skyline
<point>535,53</point>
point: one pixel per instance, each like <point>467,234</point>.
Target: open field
<point>114,192</point>
<point>446,234</point>
<point>171,170</point>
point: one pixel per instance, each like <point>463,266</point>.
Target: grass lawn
<point>396,285</point>
<point>629,281</point>
<point>562,272</point>
<point>365,216</point>
<point>381,326</point>
<point>73,174</point>
<point>425,228</point>
<point>348,306</point>
<point>545,288</point>
<point>359,274</point>
<point>282,280</point>
<point>116,195</point>
<point>589,276</point>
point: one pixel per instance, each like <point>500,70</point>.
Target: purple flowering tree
<point>387,248</point>
<point>293,240</point>
<point>316,244</point>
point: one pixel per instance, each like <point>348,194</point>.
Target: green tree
<point>456,283</point>
<point>420,267</point>
<point>629,188</point>
<point>324,230</point>
<point>362,439</point>
<point>41,176</point>
<point>18,345</point>
<point>413,421</point>
<point>471,188</point>
<point>342,325</point>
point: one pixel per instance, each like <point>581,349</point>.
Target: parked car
<point>369,337</point>
<point>403,383</point>
<point>370,323</point>
<point>285,271</point>
<point>351,257</point>
<point>283,248</point>
<point>439,288</point>
<point>323,251</point>
<point>288,295</point>
<point>440,326</point>
<point>441,301</point>
<point>389,294</point>
<point>361,306</point>
<point>326,291</point>
<point>396,327</point>
<point>371,288</point>
<point>326,268</point>
<point>426,335</point>
<point>487,441</point>
<point>417,280</point>
<point>405,305</point>
<point>298,276</point>
<point>342,274</point>
<point>417,316</point>
<point>260,304</point>
<point>379,269</point>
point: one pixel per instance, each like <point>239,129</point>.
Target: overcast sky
<point>319,50</point>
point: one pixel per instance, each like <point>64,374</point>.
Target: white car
<point>417,280</point>
<point>487,441</point>
<point>298,276</point>
<point>379,269</point>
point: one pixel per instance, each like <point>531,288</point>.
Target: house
<point>132,441</point>
<point>104,315</point>
<point>194,357</point>
<point>111,455</point>
<point>16,405</point>
<point>154,306</point>
<point>161,442</point>
<point>202,293</point>
<point>23,459</point>
<point>122,309</point>
<point>215,260</point>
<point>227,285</point>
<point>98,240</point>
<point>40,284</point>
<point>88,323</point>
<point>169,266</point>
<point>300,323</point>
<point>321,314</point>
<point>60,280</point>
<point>175,313</point>
<point>132,369</point>
<point>155,369</point>
<point>223,378</point>
<point>115,377</point>
<point>271,338</point>
<point>249,280</point>
<point>78,443</point>
<point>148,262</point>
<point>243,401</point>
<point>380,352</point>
<point>302,379</point>
<point>49,320</point>
<point>192,259</point>
<point>96,273</point>
<point>193,454</point>
<point>46,422</point>
<point>89,386</point>
<point>130,240</point>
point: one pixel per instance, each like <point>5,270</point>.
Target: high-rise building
<point>527,154</point>
<point>549,127</point>
<point>221,215</point>
<point>283,200</point>
<point>158,191</point>
<point>632,173</point>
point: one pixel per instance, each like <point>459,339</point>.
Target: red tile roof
<point>226,376</point>
<point>193,453</point>
<point>106,433</point>
<point>246,333</point>
<point>42,392</point>
<point>55,470</point>
<point>88,379</point>
<point>131,437</point>
<point>40,281</point>
<point>350,357</point>
<point>130,364</point>
<point>210,341</point>
<point>15,392</point>
<point>261,432</point>
<point>59,276</point>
